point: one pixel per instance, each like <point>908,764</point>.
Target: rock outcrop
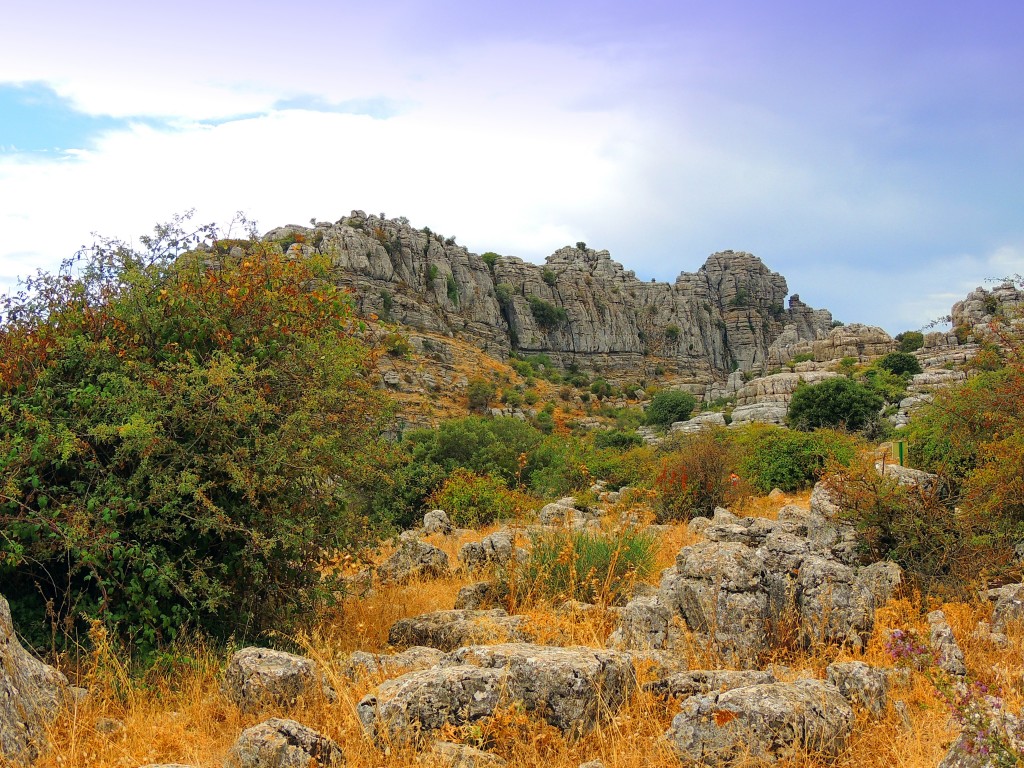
<point>279,743</point>
<point>762,722</point>
<point>30,695</point>
<point>448,630</point>
<point>755,584</point>
<point>580,306</point>
<point>257,678</point>
<point>571,688</point>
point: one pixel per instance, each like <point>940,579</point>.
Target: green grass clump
<point>592,567</point>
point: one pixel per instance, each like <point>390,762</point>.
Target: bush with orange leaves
<point>181,430</point>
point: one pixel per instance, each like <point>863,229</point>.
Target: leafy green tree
<point>480,393</point>
<point>837,402</point>
<point>773,457</point>
<point>910,341</point>
<point>547,315</point>
<point>670,406</point>
<point>900,363</point>
<point>181,436</point>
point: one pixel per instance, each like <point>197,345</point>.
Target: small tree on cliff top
<point>179,434</point>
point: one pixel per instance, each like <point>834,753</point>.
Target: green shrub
<point>601,388</point>
<point>452,289</point>
<point>479,394</point>
<point>672,333</point>
<point>590,567</point>
<point>547,315</point>
<point>512,397</point>
<point>900,363</point>
<point>503,293</point>
<point>803,357</point>
<point>670,406</point>
<point>548,276</point>
<point>910,341</point>
<point>183,437</point>
<point>614,438</point>
<point>432,273</point>
<point>838,402</point>
<point>941,551</point>
<point>773,457</point>
<point>695,478</point>
<point>473,500</point>
<point>490,259</point>
<point>891,387</point>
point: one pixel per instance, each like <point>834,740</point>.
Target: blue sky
<point>872,152</point>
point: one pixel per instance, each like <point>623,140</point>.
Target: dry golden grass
<point>176,712</point>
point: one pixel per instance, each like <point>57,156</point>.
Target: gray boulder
<point>279,743</point>
<point>645,623</point>
<point>496,549</point>
<point>763,722</point>
<point>700,681</point>
<point>948,655</point>
<point>1009,608</point>
<point>413,559</point>
<point>571,688</point>
<point>715,587</point>
<point>834,606</point>
<point>448,630</point>
<point>436,521</point>
<point>403,709</point>
<point>861,684</point>
<point>30,695</point>
<point>257,678</point>
<point>480,595</point>
<point>446,754</point>
<point>363,664</point>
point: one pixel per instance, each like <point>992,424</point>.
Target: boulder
<point>834,606</point>
<point>948,655</point>
<point>363,664</point>
<point>480,595</point>
<point>763,722</point>
<point>403,709</point>
<point>436,521</point>
<point>700,681</point>
<point>279,743</point>
<point>715,587</point>
<point>448,630</point>
<point>571,688</point>
<point>413,559</point>
<point>257,678</point>
<point>645,623</point>
<point>445,754</point>
<point>30,695</point>
<point>1009,608</point>
<point>496,549</point>
<point>861,684</point>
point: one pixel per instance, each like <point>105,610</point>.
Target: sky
<point>872,153</point>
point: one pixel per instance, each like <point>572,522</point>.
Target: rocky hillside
<point>579,307</point>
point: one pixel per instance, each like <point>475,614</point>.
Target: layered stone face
<point>725,316</point>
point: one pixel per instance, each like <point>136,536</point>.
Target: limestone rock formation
<point>861,684</point>
<point>364,664</point>
<point>571,688</point>
<point>30,695</point>
<point>754,584</point>
<point>448,630</point>
<point>413,559</point>
<point>257,678</point>
<point>724,316</point>
<point>763,722</point>
<point>279,743</point>
<point>403,709</point>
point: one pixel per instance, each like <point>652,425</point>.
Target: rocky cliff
<point>579,307</point>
